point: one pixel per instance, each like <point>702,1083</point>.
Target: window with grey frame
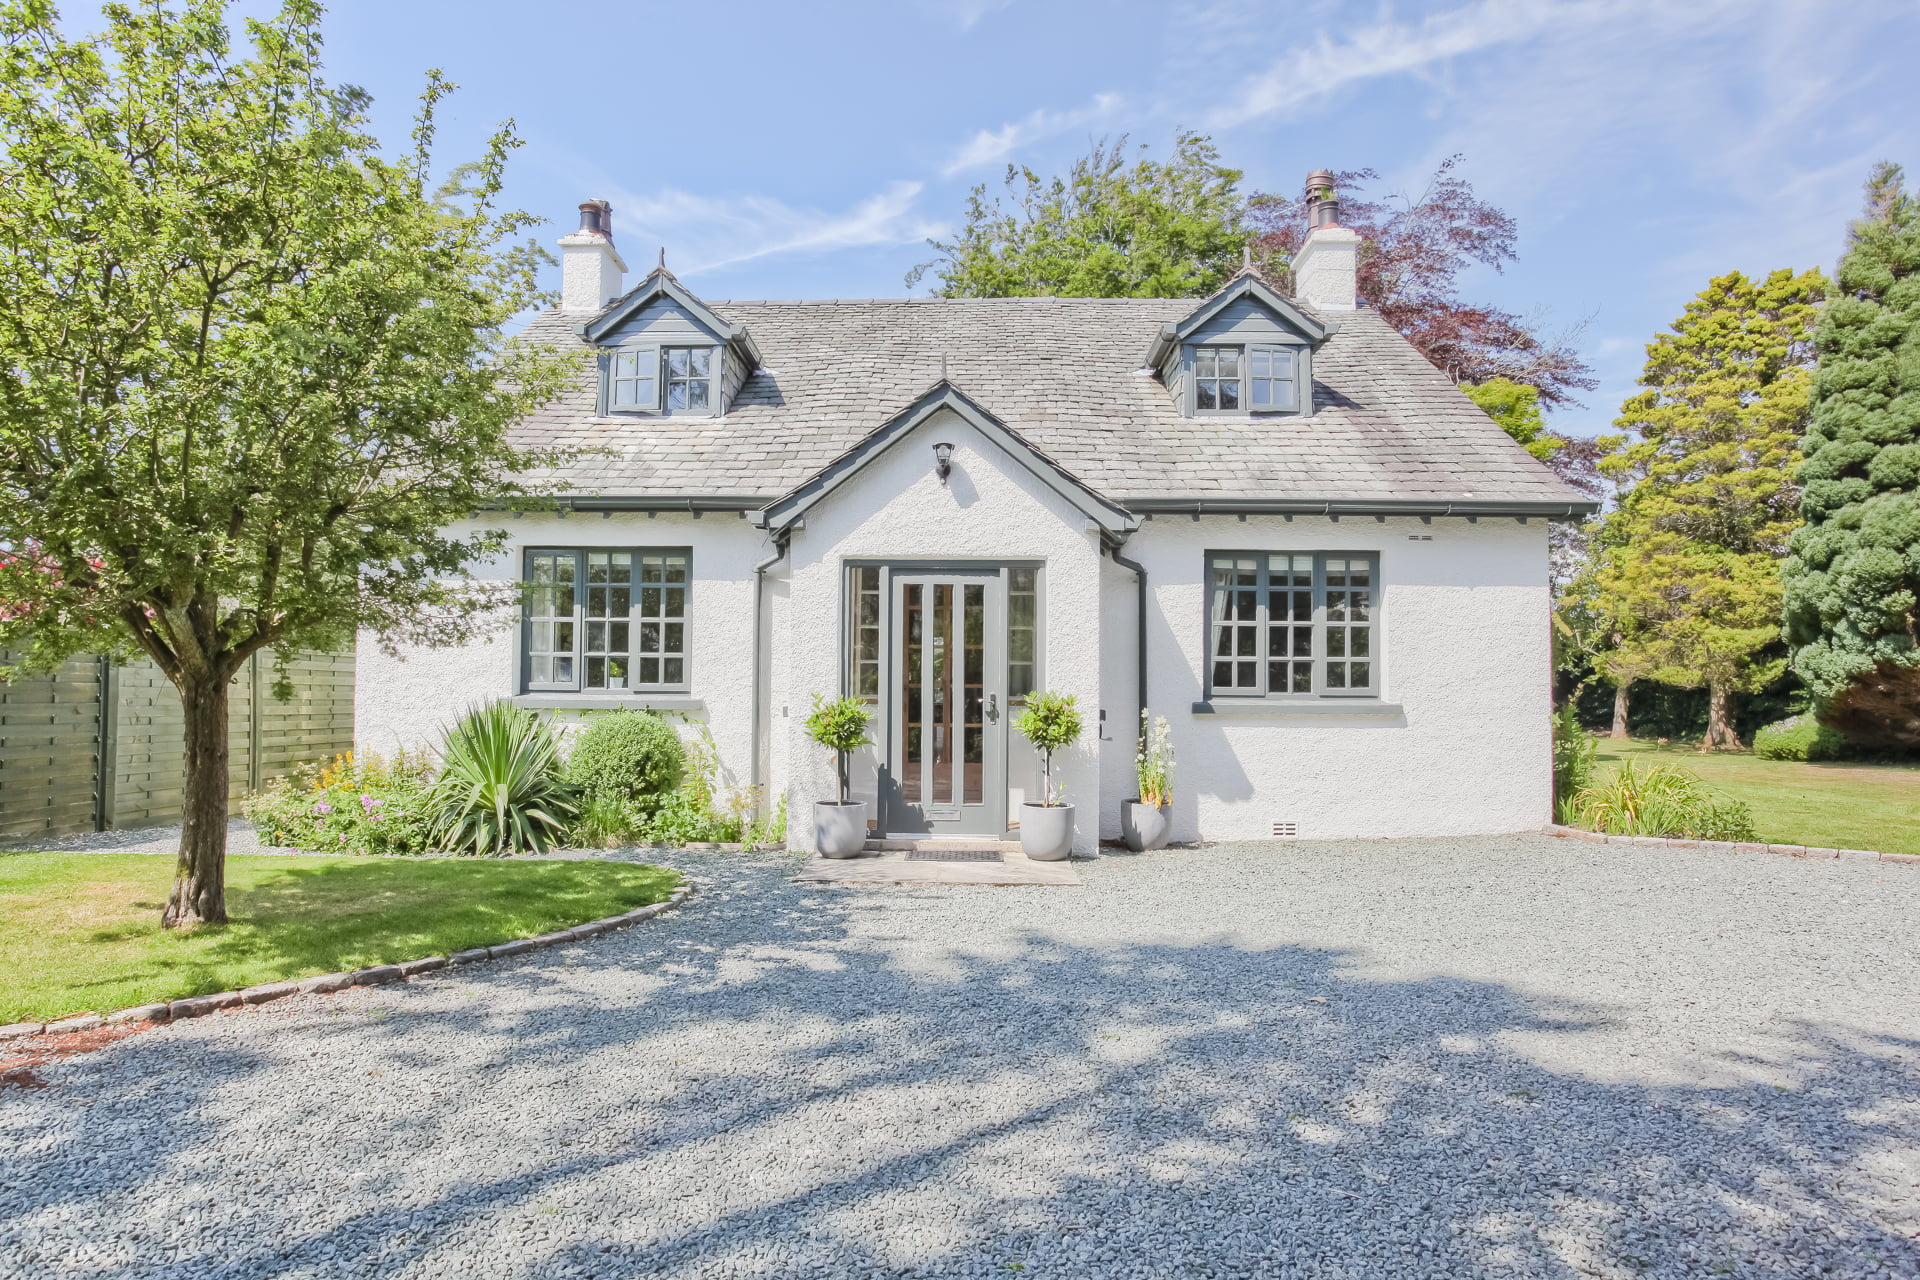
<point>1292,624</point>
<point>644,379</point>
<point>1234,380</point>
<point>606,620</point>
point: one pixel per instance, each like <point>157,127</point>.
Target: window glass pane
<point>1203,395</point>
<point>1229,394</point>
<point>676,394</point>
<point>697,363</point>
<point>1023,608</point>
<point>660,636</point>
<point>677,362</point>
<point>697,394</point>
<point>689,373</point>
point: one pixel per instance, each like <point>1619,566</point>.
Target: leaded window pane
<point>1280,627</point>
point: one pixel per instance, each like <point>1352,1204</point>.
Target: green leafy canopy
<point>1687,576</point>
<point>253,368</point>
<point>1854,575</point>
<point>1108,229</point>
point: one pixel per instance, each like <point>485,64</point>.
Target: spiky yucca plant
<point>500,788</point>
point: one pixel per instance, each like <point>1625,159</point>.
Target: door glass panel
<point>910,687</point>
<point>941,682</point>
<point>973,743</point>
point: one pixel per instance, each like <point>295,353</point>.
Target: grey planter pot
<point>839,830</point>
<point>1046,831</point>
<point>1143,826</point>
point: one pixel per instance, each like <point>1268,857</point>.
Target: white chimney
<point>591,269</point>
<point>1326,270</point>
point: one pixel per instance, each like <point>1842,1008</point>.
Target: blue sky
<point>783,149</point>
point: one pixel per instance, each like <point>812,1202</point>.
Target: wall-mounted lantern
<point>943,461</point>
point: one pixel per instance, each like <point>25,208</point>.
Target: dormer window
<point>1238,380</point>
<point>638,376</point>
<point>689,381</point>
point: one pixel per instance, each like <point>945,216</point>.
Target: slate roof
<point>1064,373</point>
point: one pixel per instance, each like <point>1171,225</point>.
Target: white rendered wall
<point>897,509</point>
<point>1464,649</point>
<point>407,701</point>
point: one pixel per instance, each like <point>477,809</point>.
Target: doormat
<point>954,855</point>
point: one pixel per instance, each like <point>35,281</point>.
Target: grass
<point>81,931</point>
<point>1835,805</point>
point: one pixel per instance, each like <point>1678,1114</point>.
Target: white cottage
<point>1268,519</point>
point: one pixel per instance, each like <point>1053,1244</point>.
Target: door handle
<point>993,708</point>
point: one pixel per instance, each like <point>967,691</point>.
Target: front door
<point>946,705</point>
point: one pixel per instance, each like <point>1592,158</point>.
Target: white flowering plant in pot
<point>1146,819</point>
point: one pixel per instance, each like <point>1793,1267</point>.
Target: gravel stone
<point>1508,1057</point>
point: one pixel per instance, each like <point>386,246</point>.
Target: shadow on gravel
<point>798,1099</point>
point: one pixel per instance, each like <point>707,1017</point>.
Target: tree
<point>1109,229</point>
<point>1687,570</point>
<point>1516,407</point>
<point>1413,254</point>
<point>1854,574</point>
<point>251,371</point>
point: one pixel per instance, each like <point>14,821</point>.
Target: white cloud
<point>991,146</point>
<point>706,233</point>
<point>1387,48</point>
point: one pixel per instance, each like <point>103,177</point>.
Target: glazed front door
<point>947,705</point>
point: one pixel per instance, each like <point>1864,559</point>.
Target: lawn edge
<point>372,976</point>
<point>1729,846</point>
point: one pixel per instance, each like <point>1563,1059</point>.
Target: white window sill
<point>623,701</point>
<point>1303,709</point>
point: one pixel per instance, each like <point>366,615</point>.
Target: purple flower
<point>370,804</point>
<point>321,806</point>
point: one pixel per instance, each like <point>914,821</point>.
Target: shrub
<point>500,788</point>
<point>1798,737</point>
<point>626,757</point>
<point>358,803</point>
<point>1050,723</point>
<point>1662,801</point>
<point>1573,749</point>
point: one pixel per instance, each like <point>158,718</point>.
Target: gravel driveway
<point>1492,1057</point>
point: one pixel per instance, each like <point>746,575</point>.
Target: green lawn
<point>1829,805</point>
<point>81,931</point>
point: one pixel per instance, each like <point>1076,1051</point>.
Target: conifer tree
<point>1688,568</point>
<point>1854,575</point>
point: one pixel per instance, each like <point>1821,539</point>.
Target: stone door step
<point>946,845</point>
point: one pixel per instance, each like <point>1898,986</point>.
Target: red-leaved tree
<point>1416,247</point>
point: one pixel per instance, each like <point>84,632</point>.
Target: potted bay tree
<point>840,826</point>
<point>1145,820</point>
<point>1050,723</point>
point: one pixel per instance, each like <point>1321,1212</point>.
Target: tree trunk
<point>1620,692</point>
<point>200,877</point>
<point>1720,735</point>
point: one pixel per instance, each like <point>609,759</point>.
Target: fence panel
<point>57,729</point>
<point>50,751</point>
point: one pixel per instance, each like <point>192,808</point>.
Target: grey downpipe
<point>755,743</point>
<point>1140,631</point>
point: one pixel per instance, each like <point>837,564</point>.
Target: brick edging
<point>1727,846</point>
<point>373,976</point>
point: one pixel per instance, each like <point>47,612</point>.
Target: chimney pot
<point>596,218</point>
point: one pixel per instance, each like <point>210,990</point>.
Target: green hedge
<point>1798,737</point>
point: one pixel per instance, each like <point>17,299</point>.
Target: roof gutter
<point>1380,508</point>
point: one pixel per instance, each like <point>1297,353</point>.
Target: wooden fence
<point>94,746</point>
